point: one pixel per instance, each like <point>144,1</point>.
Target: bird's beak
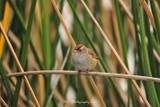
<point>75,51</point>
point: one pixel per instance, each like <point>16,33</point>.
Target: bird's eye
<point>80,49</point>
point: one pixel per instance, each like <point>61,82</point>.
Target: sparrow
<point>83,58</point>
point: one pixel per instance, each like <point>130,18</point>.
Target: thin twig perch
<point>94,73</point>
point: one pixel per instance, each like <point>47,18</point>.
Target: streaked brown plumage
<point>83,58</point>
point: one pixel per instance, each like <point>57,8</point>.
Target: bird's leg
<point>87,72</point>
<point>79,71</point>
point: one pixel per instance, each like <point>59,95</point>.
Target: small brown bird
<point>83,58</point>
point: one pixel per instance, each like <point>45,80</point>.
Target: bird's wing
<point>92,54</point>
